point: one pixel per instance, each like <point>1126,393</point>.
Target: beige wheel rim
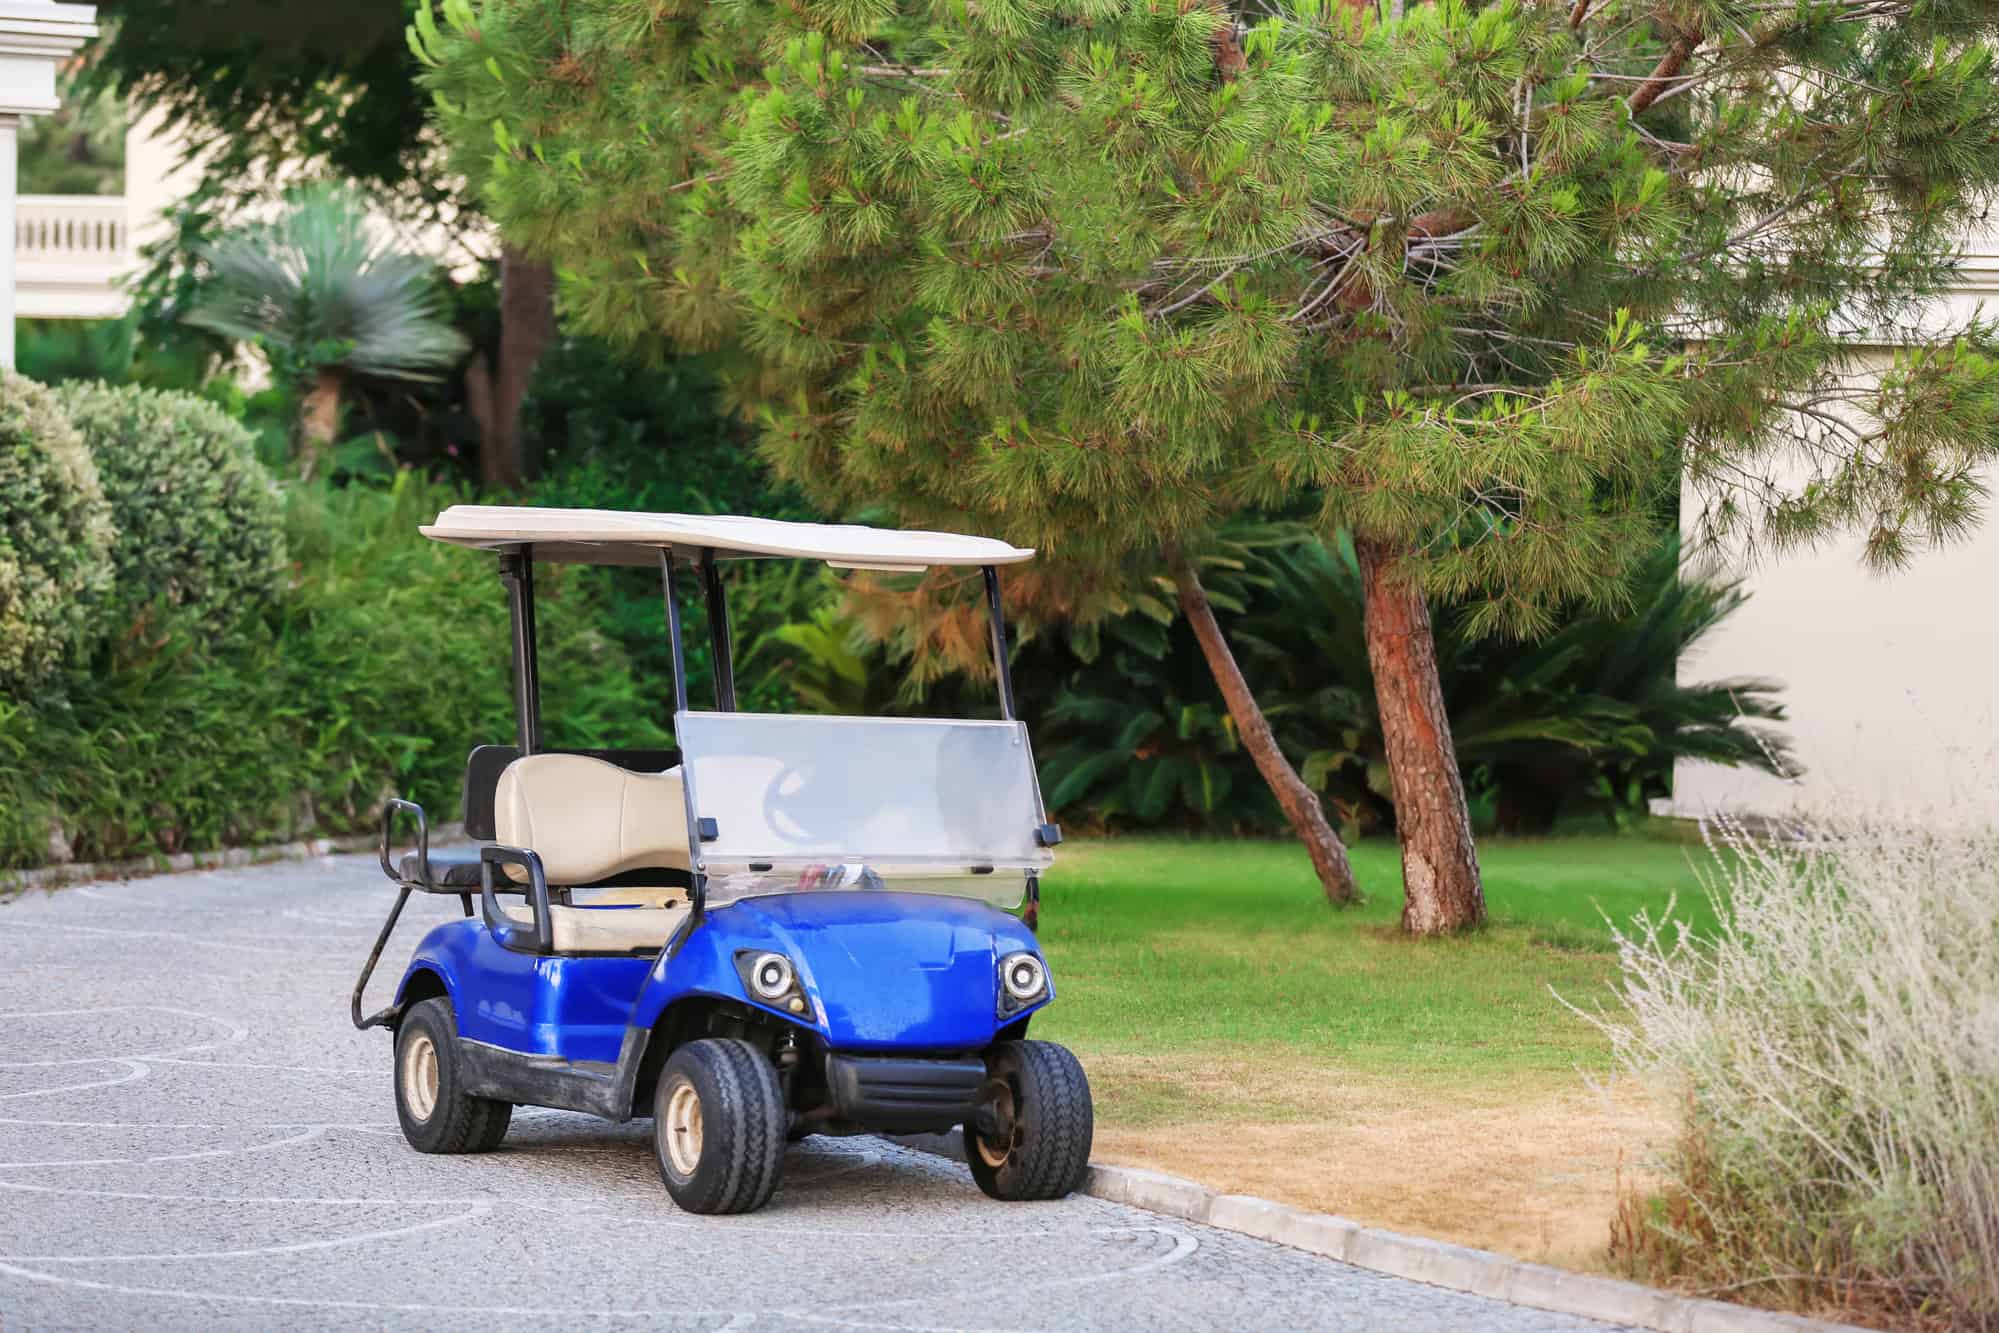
<point>683,1129</point>
<point>992,1156</point>
<point>420,1076</point>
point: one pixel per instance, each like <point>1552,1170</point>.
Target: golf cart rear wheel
<point>718,1126</point>
<point>1030,1138</point>
<point>436,1114</point>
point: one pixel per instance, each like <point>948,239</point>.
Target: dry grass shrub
<point>1836,1046</point>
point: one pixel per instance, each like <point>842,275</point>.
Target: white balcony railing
<point>70,251</point>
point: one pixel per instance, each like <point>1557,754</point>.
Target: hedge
<point>200,524</point>
<point>374,673</point>
<point>55,535</point>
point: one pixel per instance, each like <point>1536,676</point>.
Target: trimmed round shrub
<point>200,524</point>
<point>56,534</point>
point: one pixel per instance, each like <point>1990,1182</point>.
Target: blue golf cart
<point>788,925</point>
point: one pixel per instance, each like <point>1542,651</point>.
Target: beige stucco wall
<point>155,177</point>
<point>1891,681</point>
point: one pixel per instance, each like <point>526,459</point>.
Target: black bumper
<point>901,1095</point>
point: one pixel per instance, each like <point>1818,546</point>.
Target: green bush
<point>374,674</point>
<point>1584,721</point>
<point>55,534</point>
<point>614,437</point>
<point>200,524</point>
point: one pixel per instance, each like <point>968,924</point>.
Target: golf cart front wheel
<point>1030,1133</point>
<point>718,1126</point>
<point>436,1114</point>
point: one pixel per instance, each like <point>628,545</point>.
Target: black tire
<point>427,1044</point>
<point>727,1158</point>
<point>1042,1096</point>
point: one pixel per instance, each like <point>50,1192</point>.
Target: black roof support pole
<point>517,572</point>
<point>673,630</point>
<point>533,645</point>
<point>697,897</point>
<point>1003,675</point>
<point>718,632</point>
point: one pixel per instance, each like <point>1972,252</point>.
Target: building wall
<point>155,177</point>
<point>1891,681</point>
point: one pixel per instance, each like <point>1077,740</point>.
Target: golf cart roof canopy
<point>617,537</point>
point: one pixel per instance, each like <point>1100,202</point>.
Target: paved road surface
<point>192,1135</point>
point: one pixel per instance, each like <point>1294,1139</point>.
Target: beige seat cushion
<point>605,929</point>
<point>588,819</point>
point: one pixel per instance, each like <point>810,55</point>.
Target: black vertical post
<point>517,572</point>
<point>698,895</point>
<point>673,631</point>
<point>718,632</point>
<point>1003,674</point>
<point>533,650</point>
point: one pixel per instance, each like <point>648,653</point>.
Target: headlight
<point>1023,980</point>
<point>771,979</point>
<point>770,976</point>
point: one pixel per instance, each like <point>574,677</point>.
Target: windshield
<point>936,806</point>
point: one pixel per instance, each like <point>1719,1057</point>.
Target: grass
<point>1159,943</point>
<point>1238,1030</point>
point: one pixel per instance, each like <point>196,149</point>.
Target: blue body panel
<point>882,972</point>
<point>575,1008</point>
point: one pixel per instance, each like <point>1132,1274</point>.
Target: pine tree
<point>1472,281</point>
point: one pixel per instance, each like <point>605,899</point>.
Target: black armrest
<point>449,869</point>
<point>540,936</point>
<point>389,809</point>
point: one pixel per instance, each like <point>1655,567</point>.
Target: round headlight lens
<point>1023,976</point>
<point>770,976</point>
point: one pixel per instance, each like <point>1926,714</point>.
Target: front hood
<point>894,971</point>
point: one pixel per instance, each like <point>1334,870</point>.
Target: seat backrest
<point>486,762</point>
<point>589,820</point>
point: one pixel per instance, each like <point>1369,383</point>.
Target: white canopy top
<point>617,537</point>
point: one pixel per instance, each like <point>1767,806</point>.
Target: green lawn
<point>1171,948</point>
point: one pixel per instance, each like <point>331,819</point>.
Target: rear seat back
<point>588,819</point>
<point>486,762</point>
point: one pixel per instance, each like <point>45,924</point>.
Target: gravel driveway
<point>192,1135</point>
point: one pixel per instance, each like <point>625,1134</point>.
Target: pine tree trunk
<point>1298,801</point>
<point>1440,881</point>
<point>527,326</point>
<point>318,420</point>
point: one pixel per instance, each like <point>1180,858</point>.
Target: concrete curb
<point>226,858</point>
<point>1455,1267</point>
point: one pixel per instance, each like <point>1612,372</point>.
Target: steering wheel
<point>799,805</point>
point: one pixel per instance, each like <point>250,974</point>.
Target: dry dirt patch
<point>1528,1167</point>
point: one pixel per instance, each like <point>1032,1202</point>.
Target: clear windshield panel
<point>921,803</point>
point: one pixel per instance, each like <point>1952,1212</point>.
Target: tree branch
<point>1663,73</point>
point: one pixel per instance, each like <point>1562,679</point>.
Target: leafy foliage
<point>1092,277</point>
<point>1139,738</point>
<point>1589,718</point>
<point>322,287</point>
<point>200,524</point>
<point>377,671</point>
<point>1592,714</point>
<point>52,351</point>
<point>613,438</point>
<point>79,148</point>
<point>251,85</point>
<point>56,534</point>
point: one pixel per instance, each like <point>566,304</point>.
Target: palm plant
<point>1138,736</point>
<point>329,297</point>
<point>1591,716</point>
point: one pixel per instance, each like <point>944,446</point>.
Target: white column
<point>35,36</point>
<point>10,145</point>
